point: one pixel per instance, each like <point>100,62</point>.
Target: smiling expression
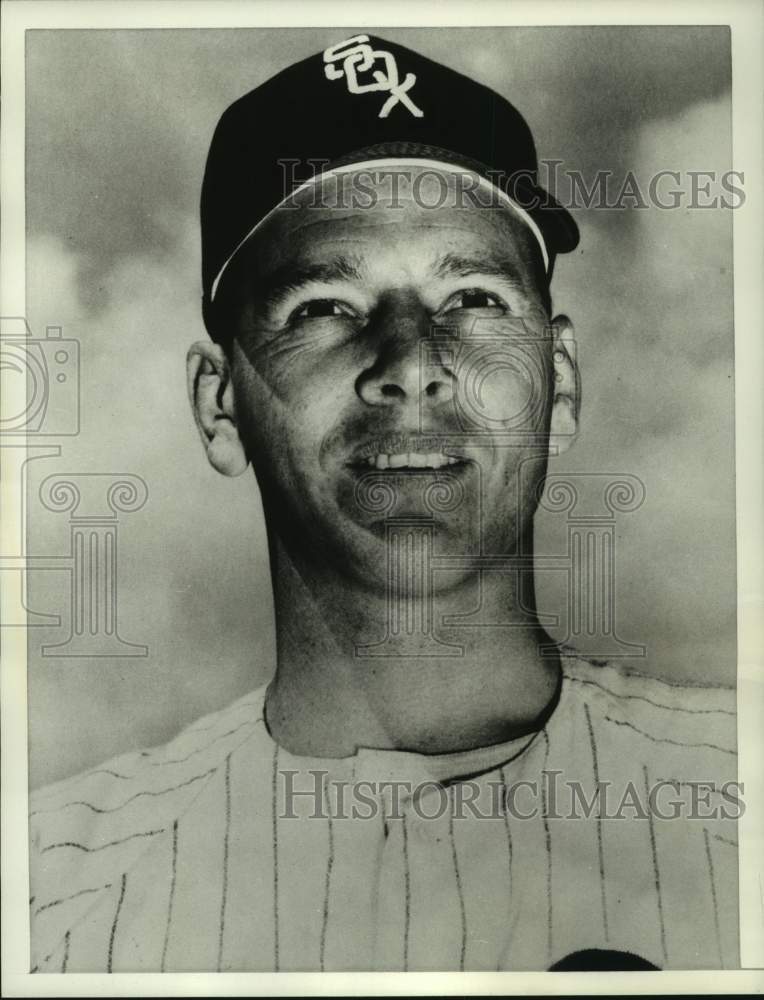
<point>381,353</point>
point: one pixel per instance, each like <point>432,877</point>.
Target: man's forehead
<point>392,256</point>
<point>337,260</point>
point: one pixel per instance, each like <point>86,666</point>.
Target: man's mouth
<point>409,460</point>
<point>400,452</point>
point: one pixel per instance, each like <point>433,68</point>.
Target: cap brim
<point>557,225</point>
<point>554,228</point>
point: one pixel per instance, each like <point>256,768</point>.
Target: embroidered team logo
<point>357,56</point>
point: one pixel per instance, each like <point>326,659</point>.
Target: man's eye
<point>321,308</point>
<point>474,298</point>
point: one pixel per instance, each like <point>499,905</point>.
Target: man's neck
<point>342,683</point>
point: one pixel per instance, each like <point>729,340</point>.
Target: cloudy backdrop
<point>118,124</point>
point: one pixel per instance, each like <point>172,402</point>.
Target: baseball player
<point>407,793</point>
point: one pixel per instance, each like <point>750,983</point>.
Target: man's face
<point>393,360</point>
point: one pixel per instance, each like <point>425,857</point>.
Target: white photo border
<point>746,21</point>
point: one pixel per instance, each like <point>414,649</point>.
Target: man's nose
<point>406,367</point>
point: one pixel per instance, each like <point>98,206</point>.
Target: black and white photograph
<point>373,438</point>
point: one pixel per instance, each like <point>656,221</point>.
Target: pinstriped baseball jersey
<point>222,851</point>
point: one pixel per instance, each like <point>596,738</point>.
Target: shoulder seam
<point>140,759</point>
<point>627,672</point>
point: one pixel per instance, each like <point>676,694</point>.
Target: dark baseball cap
<point>364,100</point>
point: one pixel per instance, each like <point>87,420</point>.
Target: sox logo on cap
<point>409,101</point>
<point>358,56</point>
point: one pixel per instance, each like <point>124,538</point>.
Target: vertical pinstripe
<point>173,878</point>
<point>713,897</point>
<point>274,821</point>
<point>496,876</point>
<point>327,885</point>
<point>548,843</point>
<point>510,852</point>
<point>226,836</point>
<point>505,813</point>
<point>407,894</point>
<point>458,880</point>
<point>656,870</point>
<point>112,936</point>
<point>600,851</point>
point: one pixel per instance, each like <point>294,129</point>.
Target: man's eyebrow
<point>273,287</point>
<point>461,266</point>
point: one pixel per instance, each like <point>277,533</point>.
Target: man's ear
<point>566,387</point>
<point>210,392</point>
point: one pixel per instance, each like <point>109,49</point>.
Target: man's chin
<point>405,551</point>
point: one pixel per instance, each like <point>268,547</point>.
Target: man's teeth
<point>411,460</point>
